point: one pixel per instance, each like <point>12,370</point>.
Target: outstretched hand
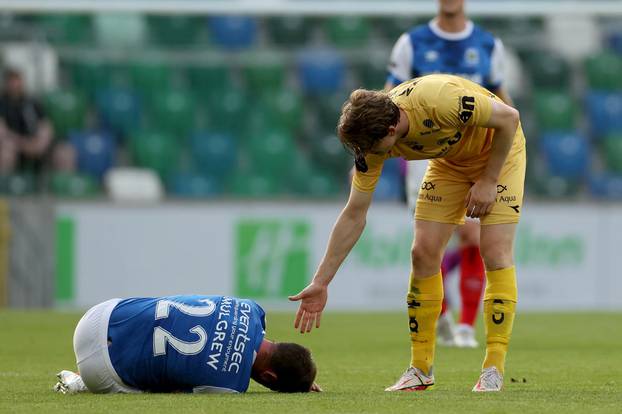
<point>313,299</point>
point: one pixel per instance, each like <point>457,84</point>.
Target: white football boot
<point>445,335</point>
<point>490,380</point>
<point>69,383</point>
<point>465,336</point>
<point>413,380</point>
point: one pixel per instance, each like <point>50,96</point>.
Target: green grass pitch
<point>572,363</point>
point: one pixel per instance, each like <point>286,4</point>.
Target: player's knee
<point>497,256</point>
<point>425,259</point>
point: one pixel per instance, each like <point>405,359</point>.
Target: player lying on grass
<point>182,344</point>
<point>478,162</point>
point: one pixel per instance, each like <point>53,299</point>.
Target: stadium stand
<point>222,106</point>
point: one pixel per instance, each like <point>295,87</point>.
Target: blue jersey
<point>474,54</point>
<point>185,343</point>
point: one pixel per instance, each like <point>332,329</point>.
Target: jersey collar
<point>451,35</point>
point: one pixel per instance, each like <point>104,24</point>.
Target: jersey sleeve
<point>366,181</point>
<point>496,76</point>
<point>400,64</point>
<point>459,107</point>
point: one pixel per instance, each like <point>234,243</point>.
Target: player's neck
<point>262,360</point>
<point>403,125</point>
<point>452,23</point>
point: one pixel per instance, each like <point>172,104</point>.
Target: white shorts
<point>90,344</point>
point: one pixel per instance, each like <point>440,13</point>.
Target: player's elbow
<point>513,117</point>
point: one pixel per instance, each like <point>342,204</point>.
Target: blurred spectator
<point>64,158</point>
<point>25,131</point>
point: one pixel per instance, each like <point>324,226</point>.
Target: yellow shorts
<point>446,184</point>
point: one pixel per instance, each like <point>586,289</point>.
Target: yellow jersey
<point>445,115</point>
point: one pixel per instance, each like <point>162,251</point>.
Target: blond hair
<point>365,119</point>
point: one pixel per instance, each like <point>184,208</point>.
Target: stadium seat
<point>612,152</point>
<point>271,151</point>
<point>604,111</point>
<point>233,32</point>
<point>293,31</point>
<point>175,30</point>
<point>194,185</point>
<point>566,155</point>
<point>327,152</point>
<point>286,106</point>
<point>95,152</point>
<point>322,184</point>
<point>614,40</point>
<point>68,29</point>
<point>17,184</point>
<point>306,181</point>
<point>173,111</point>
<point>122,30</point>
<point>547,69</point>
<point>67,110</point>
<point>603,71</point>
<point>347,31</point>
<point>255,185</point>
<point>264,74</point>
<point>321,71</point>
<point>155,150</point>
<point>606,185</point>
<point>226,111</point>
<point>119,110</point>
<point>372,72</point>
<point>206,80</point>
<point>555,111</point>
<point>539,182</point>
<point>73,185</point>
<point>327,110</point>
<point>214,154</point>
<point>89,74</point>
<point>150,78</point>
<point>391,28</point>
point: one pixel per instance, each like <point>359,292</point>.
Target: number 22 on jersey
<point>161,336</point>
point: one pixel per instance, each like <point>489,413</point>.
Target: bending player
<point>452,44</point>
<point>477,146</point>
<point>182,344</point>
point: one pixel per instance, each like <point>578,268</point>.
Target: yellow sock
<point>424,306</point>
<point>499,309</point>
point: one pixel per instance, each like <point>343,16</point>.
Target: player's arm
<point>503,94</point>
<point>345,234</point>
<point>504,119</point>
<point>400,63</point>
<point>497,73</point>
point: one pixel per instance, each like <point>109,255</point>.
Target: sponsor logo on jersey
<point>467,106</point>
<point>417,146</point>
<point>431,56</point>
<point>425,196</point>
<point>428,185</point>
<point>447,143</point>
<point>515,208</point>
<point>471,56</point>
<point>501,188</point>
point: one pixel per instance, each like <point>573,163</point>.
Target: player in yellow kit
<point>477,149</point>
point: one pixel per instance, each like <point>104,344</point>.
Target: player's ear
<point>392,130</point>
<point>268,376</point>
